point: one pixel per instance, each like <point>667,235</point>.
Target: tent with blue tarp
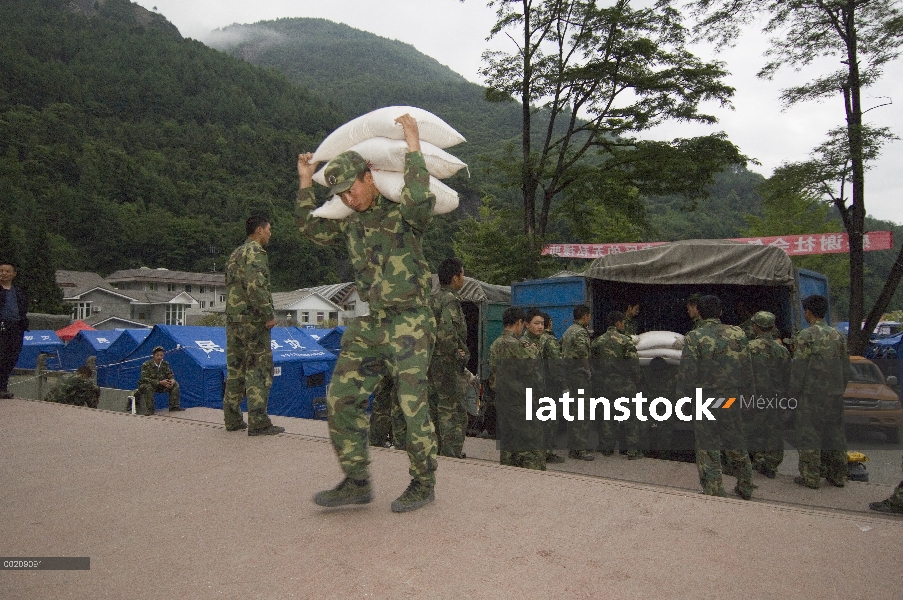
<point>302,370</point>
<point>37,342</point>
<point>85,344</point>
<point>333,340</point>
<point>330,339</point>
<point>125,343</point>
<point>886,353</point>
<point>197,356</point>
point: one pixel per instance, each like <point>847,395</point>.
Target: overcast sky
<point>454,33</point>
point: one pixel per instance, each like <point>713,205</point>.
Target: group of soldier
<point>723,360</point>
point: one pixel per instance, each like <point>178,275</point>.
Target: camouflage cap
<point>343,170</point>
<point>763,319</point>
<point>693,299</point>
<point>158,349</point>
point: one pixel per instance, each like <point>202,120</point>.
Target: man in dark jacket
<point>13,323</point>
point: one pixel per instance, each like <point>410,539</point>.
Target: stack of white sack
<point>659,344</point>
<point>380,140</point>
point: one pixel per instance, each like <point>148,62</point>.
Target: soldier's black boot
<point>418,494</point>
<point>350,491</point>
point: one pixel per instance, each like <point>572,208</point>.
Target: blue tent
<point>198,359</point>
<point>887,354</point>
<point>197,356</point>
<point>302,370</point>
<point>330,339</point>
<point>128,340</point>
<point>36,342</point>
<point>88,342</point>
<point>333,341</point>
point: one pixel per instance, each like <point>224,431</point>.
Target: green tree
<point>787,210</point>
<point>39,276</point>
<point>494,249</point>
<point>863,36</point>
<point>592,78</point>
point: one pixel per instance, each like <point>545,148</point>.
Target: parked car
<point>868,401</point>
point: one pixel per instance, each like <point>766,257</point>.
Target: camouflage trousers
<point>896,498</point>
<point>386,419</point>
<point>249,359</point>
<point>396,344</point>
<point>764,439</point>
<point>526,459</point>
<point>713,437</point>
<point>578,431</point>
<point>635,435</point>
<point>145,396</point>
<point>447,411</point>
<point>821,440</point>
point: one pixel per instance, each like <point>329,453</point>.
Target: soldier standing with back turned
<point>716,359</point>
<point>249,319</point>
<point>618,364</point>
<point>819,373</point>
<point>450,355</point>
<point>575,345</point>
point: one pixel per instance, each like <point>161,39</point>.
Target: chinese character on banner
<point>294,344</point>
<point>598,250</point>
<point>582,251</point>
<point>804,245</point>
<point>274,345</point>
<point>103,341</point>
<point>555,250</point>
<point>866,243</point>
<point>28,338</point>
<point>756,242</point>
<point>208,346</point>
<point>832,242</point>
<point>780,243</point>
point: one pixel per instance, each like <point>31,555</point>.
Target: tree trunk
<point>858,335</point>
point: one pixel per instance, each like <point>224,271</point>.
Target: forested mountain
<point>124,145</point>
<point>128,145</point>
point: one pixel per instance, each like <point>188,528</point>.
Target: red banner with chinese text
<point>794,245</point>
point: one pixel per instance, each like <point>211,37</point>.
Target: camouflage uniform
<point>149,384</point>
<point>385,249</point>
<point>386,419</point>
<point>446,372</point>
<point>659,382</point>
<point>716,358</point>
<point>546,348</point>
<point>75,390</point>
<point>631,326</point>
<point>747,327</point>
<point>819,373</point>
<point>506,346</point>
<point>617,372</point>
<point>771,362</point>
<point>894,504</point>
<point>697,321</point>
<point>575,345</point>
<point>249,356</point>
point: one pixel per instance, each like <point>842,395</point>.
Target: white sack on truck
<point>659,339</point>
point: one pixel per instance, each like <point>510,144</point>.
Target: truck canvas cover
<point>697,262</point>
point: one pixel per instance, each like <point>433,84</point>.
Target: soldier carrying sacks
<point>384,241</point>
